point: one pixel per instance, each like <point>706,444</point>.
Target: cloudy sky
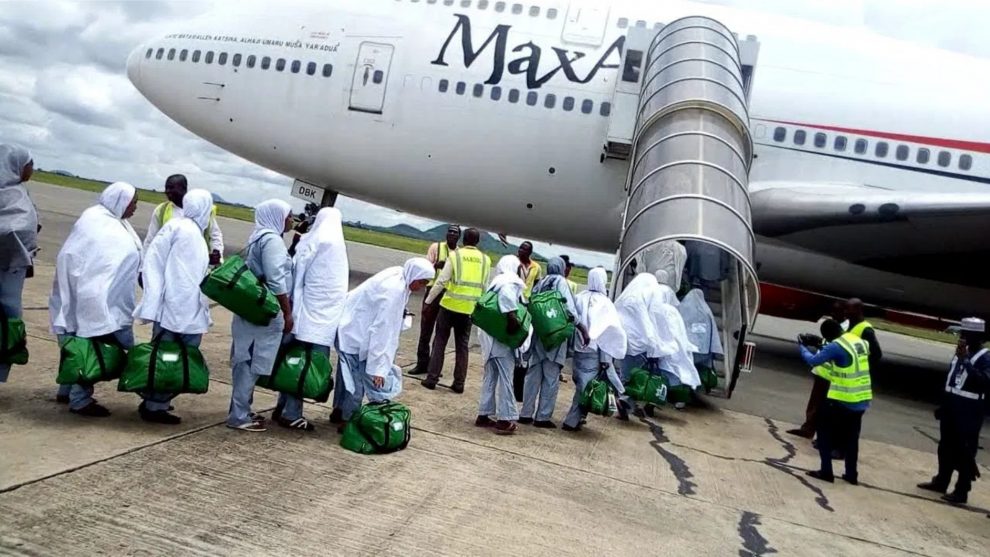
<point>65,96</point>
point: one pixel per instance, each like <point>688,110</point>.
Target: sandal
<point>253,427</point>
<point>302,424</point>
<point>505,427</point>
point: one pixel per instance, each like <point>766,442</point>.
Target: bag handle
<point>305,371</point>
<point>99,358</point>
<point>185,365</point>
<point>153,363</point>
<point>243,268</point>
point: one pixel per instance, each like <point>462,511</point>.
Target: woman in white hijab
<point>497,397</point>
<point>174,265</point>
<point>679,366</point>
<point>368,336</point>
<point>607,341</point>
<point>18,232</point>
<point>649,337</point>
<point>95,287</point>
<point>701,328</point>
<point>321,275</point>
<point>254,347</point>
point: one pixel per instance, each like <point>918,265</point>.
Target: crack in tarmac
<point>677,465</point>
<point>781,464</point>
<point>754,544</point>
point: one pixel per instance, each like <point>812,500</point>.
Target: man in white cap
<point>961,414</point>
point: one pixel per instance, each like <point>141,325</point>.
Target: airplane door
<point>371,77</point>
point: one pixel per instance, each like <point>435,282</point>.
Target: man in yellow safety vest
<point>175,189</point>
<point>532,269</point>
<point>460,284</point>
<point>438,254</point>
<point>859,326</point>
<point>845,362</point>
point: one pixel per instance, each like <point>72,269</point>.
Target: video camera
<point>305,219</point>
<point>811,341</point>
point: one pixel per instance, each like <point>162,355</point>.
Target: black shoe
<point>544,424</point>
<point>62,399</point>
<point>526,421</point>
<point>818,475</point>
<point>427,384</point>
<point>850,479</point>
<point>458,389</point>
<point>158,417</point>
<point>484,421</point>
<point>418,371</point>
<point>566,427</point>
<point>956,497</point>
<point>623,411</point>
<point>800,433</point>
<point>92,410</point>
<point>933,486</point>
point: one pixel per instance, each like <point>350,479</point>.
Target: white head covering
<point>197,206</point>
<point>667,295</point>
<point>600,318</point>
<point>321,278</point>
<point>507,271</point>
<point>117,197</point>
<point>13,159</point>
<point>270,216</point>
<point>417,268</point>
<point>700,323</point>
<point>639,306</point>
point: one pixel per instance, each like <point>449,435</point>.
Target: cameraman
<point>845,363</point>
<point>303,223</point>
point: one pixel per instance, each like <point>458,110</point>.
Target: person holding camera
<point>845,362</point>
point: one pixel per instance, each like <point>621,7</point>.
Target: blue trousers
<point>11,291</point>
<point>586,366</point>
<point>158,402</point>
<point>543,382</point>
<point>81,396</point>
<point>497,397</point>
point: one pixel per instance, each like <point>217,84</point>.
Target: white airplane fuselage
<point>497,119</point>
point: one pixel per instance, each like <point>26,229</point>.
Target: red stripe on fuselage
<point>932,141</point>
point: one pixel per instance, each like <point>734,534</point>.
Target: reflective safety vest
<point>165,211</point>
<point>469,275</point>
<point>442,253</point>
<point>533,273</point>
<point>573,286</point>
<point>851,383</point>
<point>860,328</point>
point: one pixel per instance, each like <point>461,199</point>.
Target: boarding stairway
<point>680,117</point>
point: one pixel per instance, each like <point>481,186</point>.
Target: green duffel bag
<point>235,287</point>
<point>165,366</point>
<point>490,319</point>
<point>377,428</point>
<point>551,322</point>
<point>679,394</point>
<point>85,361</point>
<point>647,388</point>
<point>300,371</point>
<point>13,340</point>
<point>709,378</point>
<point>597,398</point>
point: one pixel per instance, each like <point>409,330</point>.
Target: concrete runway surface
<point>716,479</point>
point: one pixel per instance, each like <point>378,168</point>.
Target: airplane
<point>871,166</point>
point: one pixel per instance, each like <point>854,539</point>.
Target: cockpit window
<point>149,53</point>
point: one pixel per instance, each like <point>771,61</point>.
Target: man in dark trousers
<point>961,413</point>
<point>437,254</point>
<point>819,390</point>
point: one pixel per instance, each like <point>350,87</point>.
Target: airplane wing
<point>913,233</point>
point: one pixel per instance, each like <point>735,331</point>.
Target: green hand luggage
<point>235,287</point>
<point>551,322</point>
<point>165,367</point>
<point>13,340</point>
<point>302,372</point>
<point>86,361</point>
<point>709,378</point>
<point>597,397</point>
<point>679,394</point>
<point>490,319</point>
<point>647,388</point>
<point>377,428</point>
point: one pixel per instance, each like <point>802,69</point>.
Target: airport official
<point>94,292</point>
<point>368,337</point>
<point>859,326</point>
<point>18,234</point>
<point>532,271</point>
<point>459,286</point>
<point>321,275</point>
<point>174,265</point>
<point>845,362</point>
<point>961,414</point>
<point>437,254</point>
<point>175,190</point>
<point>819,389</point>
<point>253,347</point>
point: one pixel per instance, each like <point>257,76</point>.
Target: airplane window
<point>534,11</point>
<point>861,146</point>
<point>266,63</point>
<point>923,156</point>
<point>840,143</point>
<point>209,57</point>
<point>461,87</point>
<point>483,4</point>
<point>902,152</point>
<point>641,24</point>
<point>448,2</point>
<point>311,68</point>
<point>623,22</point>
<point>779,134</point>
<point>499,7</point>
<point>799,137</point>
<point>159,54</point>
<point>465,3</point>
<point>236,61</point>
<point>552,13</point>
<point>296,66</point>
<point>568,104</point>
<point>280,65</point>
<point>196,55</point>
<point>251,60</point>
<point>444,85</point>
<point>327,70</point>
<point>517,9</point>
<point>820,140</point>
<point>514,96</point>
<point>183,55</point>
<point>479,90</point>
<point>944,158</point>
<point>532,97</point>
<point>966,162</point>
<point>657,26</point>
<point>496,93</point>
<point>171,54</point>
<point>148,54</point>
<point>550,101</point>
<point>881,149</point>
<point>605,109</point>
<point>378,77</point>
<point>587,106</point>
<point>222,59</point>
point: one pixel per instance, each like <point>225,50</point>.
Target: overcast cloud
<point>65,96</point>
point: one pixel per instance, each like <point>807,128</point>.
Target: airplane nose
<point>134,66</point>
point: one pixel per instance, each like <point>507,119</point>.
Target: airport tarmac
<point>718,479</point>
